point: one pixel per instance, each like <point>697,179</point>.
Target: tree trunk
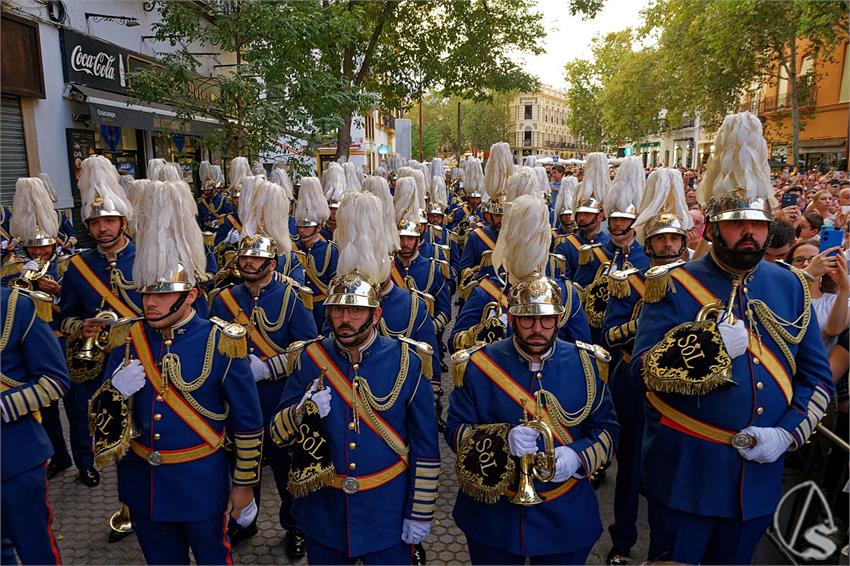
<point>343,136</point>
<point>795,103</point>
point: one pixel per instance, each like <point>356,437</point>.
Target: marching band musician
<point>588,218</point>
<point>473,324</point>
<point>212,205</point>
<point>334,185</point>
<point>500,166</point>
<point>97,280</point>
<point>34,377</point>
<point>317,255</point>
<point>229,225</point>
<point>271,309</point>
<point>662,226</point>
<point>727,398</point>
<point>186,376</point>
<point>563,210</point>
<point>506,515</point>
<point>359,416</point>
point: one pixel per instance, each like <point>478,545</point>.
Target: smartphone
<point>690,182</point>
<point>829,238</point>
<point>788,199</point>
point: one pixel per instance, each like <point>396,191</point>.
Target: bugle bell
<point>538,466</point>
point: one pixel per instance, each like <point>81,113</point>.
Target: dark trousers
<point>166,542</point>
<point>52,424</point>
<point>623,531</point>
<point>677,536</point>
<point>77,408</point>
<point>26,520</point>
<point>320,554</point>
<point>483,554</point>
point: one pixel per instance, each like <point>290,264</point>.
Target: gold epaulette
<point>293,352</point>
<point>559,261</point>
<point>559,239</point>
<point>12,266</point>
<point>444,266</point>
<point>62,265</point>
<point>305,293</point>
<point>302,258</point>
<point>427,298</point>
<point>424,351</point>
<point>233,342</point>
<point>459,361</point>
<point>618,282</point>
<point>603,358</point>
<point>657,282</point>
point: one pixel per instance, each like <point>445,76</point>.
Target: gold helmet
<point>500,166</point>
<point>536,295</point>
<point>264,211</point>
<point>34,222</point>
<point>737,183</point>
<point>663,208</point>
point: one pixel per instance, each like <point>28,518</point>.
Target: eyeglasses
<point>796,261</point>
<point>527,322</point>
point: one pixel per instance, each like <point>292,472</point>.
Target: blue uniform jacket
<point>199,489</point>
<point>574,325</point>
<point>34,376</point>
<point>569,518</point>
<point>281,318</point>
<point>80,301</point>
<point>569,248</point>
<point>585,274</point>
<point>319,263</point>
<point>475,247</point>
<point>211,209</point>
<point>428,276</point>
<point>440,235</point>
<point>461,212</point>
<point>229,222</point>
<point>369,520</point>
<point>292,268</point>
<point>675,463</point>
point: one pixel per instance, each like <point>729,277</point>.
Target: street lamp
<point>128,21</point>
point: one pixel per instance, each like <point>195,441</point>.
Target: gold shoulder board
<point>232,342</point>
<point>459,361</point>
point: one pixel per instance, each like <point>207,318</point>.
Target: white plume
<point>169,238</point>
<point>363,246</point>
<point>98,177</point>
<point>279,176</point>
<point>379,187</point>
<point>438,169</point>
<point>32,210</point>
<point>334,182</point>
<point>524,240</point>
<point>311,206</point>
<point>438,191</point>
<point>239,169</point>
<point>596,180</point>
<point>352,177</point>
<point>566,196</point>
<point>739,161</point>
<point>627,188</point>
<point>543,179</point>
<point>204,171</point>
<point>217,174</point>
<point>405,200</point>
<point>530,161</point>
<point>523,182</point>
<point>500,166</point>
<point>264,210</point>
<point>664,194</point>
<point>473,178</point>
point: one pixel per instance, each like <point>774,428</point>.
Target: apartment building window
<point>528,114</point>
<point>370,126</point>
<point>844,93</point>
<point>526,137</point>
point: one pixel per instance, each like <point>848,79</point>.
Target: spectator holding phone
<point>830,286</point>
<point>822,203</point>
<point>809,227</point>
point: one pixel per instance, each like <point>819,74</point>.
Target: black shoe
<point>441,424</point>
<point>56,467</point>
<point>598,478</point>
<point>618,556</point>
<point>239,534</point>
<point>419,557</point>
<point>296,547</point>
<point>89,476</point>
<point>443,367</point>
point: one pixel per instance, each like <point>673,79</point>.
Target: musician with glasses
<point>505,394</point>
<point>734,369</point>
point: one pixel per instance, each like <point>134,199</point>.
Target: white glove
<point>31,265</point>
<point>735,337</point>
<point>259,368</point>
<point>232,236</point>
<point>771,443</point>
<point>414,532</point>
<point>4,244</point>
<point>322,398</point>
<point>129,379</point>
<point>248,514</point>
<point>567,463</point>
<point>504,318</point>
<point>522,440</point>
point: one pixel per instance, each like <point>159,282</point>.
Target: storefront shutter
<point>13,156</point>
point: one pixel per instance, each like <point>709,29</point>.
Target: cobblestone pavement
<point>81,515</point>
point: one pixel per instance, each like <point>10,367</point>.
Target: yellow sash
<point>343,387</point>
<point>266,348</point>
<point>172,398</point>
<point>235,223</point>
<point>637,284</point>
<point>397,277</point>
<point>494,292</point>
<point>760,352</point>
<point>488,241</point>
<point>101,289</point>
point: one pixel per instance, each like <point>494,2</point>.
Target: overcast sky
<point>568,37</point>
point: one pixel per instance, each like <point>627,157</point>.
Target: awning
<point>117,110</point>
<point>827,145</point>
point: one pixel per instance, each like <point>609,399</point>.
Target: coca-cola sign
<point>93,62</point>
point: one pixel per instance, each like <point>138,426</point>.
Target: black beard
<point>739,260</point>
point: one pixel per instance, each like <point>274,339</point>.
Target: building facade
<point>823,96</point>
<point>539,125</point>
